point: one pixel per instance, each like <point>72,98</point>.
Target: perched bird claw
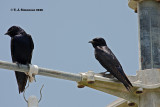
<point>105,74</point>
<point>18,64</point>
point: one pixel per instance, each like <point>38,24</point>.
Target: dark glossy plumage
<point>21,51</point>
<point>109,61</point>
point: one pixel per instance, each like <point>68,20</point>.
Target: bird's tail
<point>124,79</point>
<point>21,80</point>
<point>128,86</point>
<point>127,83</point>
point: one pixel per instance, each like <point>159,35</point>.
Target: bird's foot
<point>18,64</point>
<point>109,76</point>
<point>28,65</point>
<point>106,74</point>
<point>33,76</point>
<point>102,74</point>
<point>28,68</point>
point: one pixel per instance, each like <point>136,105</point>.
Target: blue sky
<point>61,33</point>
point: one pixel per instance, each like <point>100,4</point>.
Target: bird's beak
<point>6,33</point>
<point>90,41</point>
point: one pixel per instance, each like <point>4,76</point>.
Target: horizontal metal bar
<point>107,85</point>
<point>41,71</point>
<point>60,74</point>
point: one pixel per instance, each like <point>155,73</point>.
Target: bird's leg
<point>34,78</point>
<point>103,73</point>
<point>109,75</point>
<point>106,74</point>
<point>28,68</point>
<point>28,65</point>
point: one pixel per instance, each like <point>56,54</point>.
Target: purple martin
<point>109,61</point>
<point>21,51</point>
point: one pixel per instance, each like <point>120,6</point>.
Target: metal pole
<point>149,34</point>
<point>108,85</point>
<point>60,74</point>
<point>148,77</point>
<point>149,44</point>
<point>42,71</point>
<point>149,48</point>
<point>150,98</point>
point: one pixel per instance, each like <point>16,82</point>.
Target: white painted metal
<point>121,103</point>
<point>33,70</point>
<point>32,101</point>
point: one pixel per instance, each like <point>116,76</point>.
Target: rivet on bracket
<point>130,103</point>
<point>80,85</point>
<point>139,91</point>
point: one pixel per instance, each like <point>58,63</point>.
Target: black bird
<point>109,61</point>
<point>21,51</point>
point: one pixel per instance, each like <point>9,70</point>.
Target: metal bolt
<point>139,91</point>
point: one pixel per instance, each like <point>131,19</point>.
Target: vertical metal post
<point>149,99</point>
<point>149,49</point>
<point>149,44</point>
<point>149,34</point>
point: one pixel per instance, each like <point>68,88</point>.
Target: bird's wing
<point>13,42</point>
<point>19,56</point>
<point>21,48</point>
<point>109,61</point>
<point>105,55</point>
<point>31,47</point>
<point>31,42</point>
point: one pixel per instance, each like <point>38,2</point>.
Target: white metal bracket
<point>32,72</point>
